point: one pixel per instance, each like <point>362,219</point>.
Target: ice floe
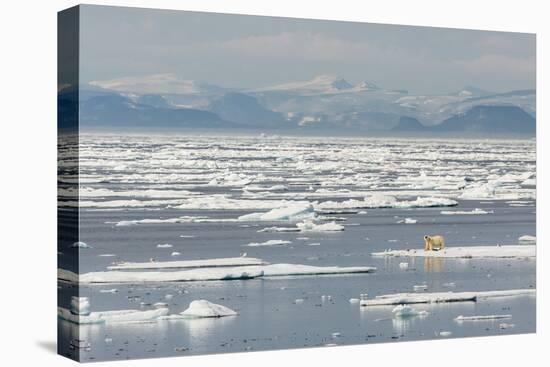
<point>476,211</point>
<point>208,274</point>
<point>442,297</point>
<point>120,316</point>
<point>268,243</point>
<point>80,244</point>
<point>405,311</point>
<point>310,226</point>
<point>292,212</point>
<point>408,221</point>
<point>387,201</point>
<point>204,308</point>
<point>508,251</point>
<point>527,238</point>
<point>207,263</point>
<point>462,318</point>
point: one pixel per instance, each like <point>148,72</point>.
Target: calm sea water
<point>269,316</point>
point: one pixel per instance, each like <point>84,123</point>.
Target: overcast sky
<point>250,51</point>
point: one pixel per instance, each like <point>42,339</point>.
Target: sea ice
<point>462,318</point>
<point>80,244</point>
<point>476,211</point>
<point>442,297</point>
<point>310,226</point>
<point>291,212</point>
<point>527,238</point>
<point>408,221</point>
<point>405,311</point>
<point>403,266</point>
<point>166,245</point>
<point>511,251</point>
<point>205,274</point>
<point>204,308</point>
<point>208,263</point>
<point>268,243</point>
<point>119,316</point>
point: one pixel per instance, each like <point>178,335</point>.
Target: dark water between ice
<point>268,316</point>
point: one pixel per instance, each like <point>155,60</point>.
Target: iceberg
<point>442,297</point>
<point>508,251</point>
<point>204,308</point>
<point>208,263</point>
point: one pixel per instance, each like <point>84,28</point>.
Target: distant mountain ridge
<point>322,103</point>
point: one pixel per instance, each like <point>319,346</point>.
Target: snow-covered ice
<point>405,311</point>
<point>462,318</point>
<point>204,308</point>
<point>292,212</point>
<point>442,297</point>
<point>268,243</point>
<point>119,316</point>
<point>207,263</point>
<point>508,251</point>
<point>206,274</point>
<point>476,211</point>
<point>527,238</point>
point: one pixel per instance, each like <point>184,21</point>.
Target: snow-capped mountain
<point>324,102</point>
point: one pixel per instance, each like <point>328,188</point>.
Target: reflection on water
<point>433,264</point>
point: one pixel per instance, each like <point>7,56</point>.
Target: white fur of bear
<point>432,243</point>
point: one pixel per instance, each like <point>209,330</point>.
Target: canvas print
<point>233,183</point>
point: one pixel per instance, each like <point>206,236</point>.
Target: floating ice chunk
<point>445,333</point>
<point>279,229</point>
<point>404,311</point>
<point>505,325</point>
<point>80,305</point>
<point>476,211</point>
<point>166,245</point>
<point>408,221</point>
<point>310,226</point>
<point>112,290</point>
<point>205,274</point>
<point>119,316</point>
<point>268,243</point>
<point>292,212</point>
<point>107,255</point>
<point>527,238</point>
<point>386,201</point>
<point>512,251</point>
<point>208,263</point>
<point>403,266</point>
<point>354,300</point>
<point>299,300</point>
<point>420,287</point>
<point>462,318</point>
<point>336,335</point>
<point>204,308</point>
<point>314,244</point>
<point>175,253</point>
<point>160,305</point>
<point>479,191</point>
<point>80,244</point>
<point>442,297</point>
<point>449,285</point>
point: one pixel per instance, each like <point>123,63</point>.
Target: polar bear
<point>434,243</point>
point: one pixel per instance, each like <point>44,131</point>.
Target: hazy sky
<point>252,51</point>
